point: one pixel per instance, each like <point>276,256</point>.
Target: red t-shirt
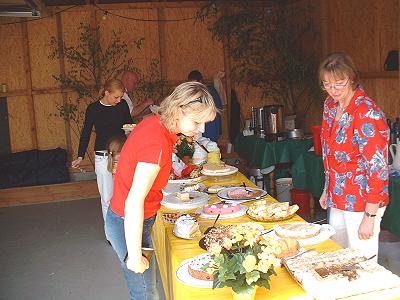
<point>149,142</point>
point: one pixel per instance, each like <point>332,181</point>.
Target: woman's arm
<point>85,136</point>
<point>143,179</point>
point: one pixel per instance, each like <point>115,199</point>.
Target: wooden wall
<point>366,32</point>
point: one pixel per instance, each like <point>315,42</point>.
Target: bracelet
<point>369,215</point>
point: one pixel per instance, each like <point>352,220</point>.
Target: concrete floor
<point>57,251</point>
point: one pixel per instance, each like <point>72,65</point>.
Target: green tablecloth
<point>308,174</point>
<point>264,154</point>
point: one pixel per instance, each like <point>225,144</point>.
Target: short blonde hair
<point>338,65</point>
<point>111,85</point>
<point>190,99</point>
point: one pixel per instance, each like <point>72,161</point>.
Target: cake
<point>196,268</point>
<point>215,188</point>
<point>183,196</point>
<point>221,208</point>
<point>216,235</point>
<point>297,230</point>
<point>186,227</point>
<point>284,247</point>
<point>328,276</point>
<point>171,218</point>
<point>264,210</point>
<point>241,193</point>
<point>216,168</point>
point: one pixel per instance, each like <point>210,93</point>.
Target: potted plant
<point>243,262</point>
<point>184,148</point>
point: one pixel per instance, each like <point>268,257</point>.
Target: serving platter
<point>325,233</point>
<point>224,194</point>
<point>197,199</point>
<point>187,180</point>
<point>182,274</point>
<point>232,170</point>
<point>239,213</point>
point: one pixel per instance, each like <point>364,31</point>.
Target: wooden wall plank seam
<point>27,66</point>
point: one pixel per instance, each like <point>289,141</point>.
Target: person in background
<point>107,115</point>
<point>114,147</point>
<point>354,140</point>
<point>130,81</point>
<point>213,129</point>
<point>143,170</point>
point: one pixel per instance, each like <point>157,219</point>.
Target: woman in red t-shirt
<point>355,140</point>
<point>143,170</point>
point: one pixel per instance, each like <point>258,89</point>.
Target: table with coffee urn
<point>261,153</point>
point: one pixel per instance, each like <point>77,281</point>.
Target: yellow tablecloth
<point>171,251</point>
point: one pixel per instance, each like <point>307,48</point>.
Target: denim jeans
<point>142,286</point>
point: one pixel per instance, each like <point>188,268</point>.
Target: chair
<point>257,175</point>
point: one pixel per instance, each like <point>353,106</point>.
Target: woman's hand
<point>76,162</point>
<point>366,229</point>
<point>137,266</point>
<point>323,200</point>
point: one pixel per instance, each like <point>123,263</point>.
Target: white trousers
<point>105,183</point>
<point>346,224</point>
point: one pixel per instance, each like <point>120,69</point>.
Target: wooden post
<point>324,5</point>
<point>63,92</point>
<point>161,43</point>
<point>28,76</point>
<point>226,109</point>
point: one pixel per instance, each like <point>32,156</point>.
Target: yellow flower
<point>227,243</point>
<point>215,249</point>
<point>264,265</point>
<point>249,263</point>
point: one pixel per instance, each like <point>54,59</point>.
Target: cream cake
<point>216,168</point>
<point>186,227</point>
<point>297,230</point>
<point>221,208</point>
<point>196,268</point>
<point>343,273</point>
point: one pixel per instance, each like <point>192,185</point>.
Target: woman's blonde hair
<point>189,99</point>
<point>340,66</point>
<point>111,85</point>
<point>114,147</point>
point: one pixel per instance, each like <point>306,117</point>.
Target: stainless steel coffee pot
<point>274,121</point>
<point>257,120</point>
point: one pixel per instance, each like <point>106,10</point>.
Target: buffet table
<point>171,251</point>
<point>264,154</point>
<point>308,174</point>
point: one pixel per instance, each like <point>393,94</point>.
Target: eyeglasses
<point>336,86</point>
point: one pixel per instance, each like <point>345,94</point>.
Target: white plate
<point>183,237</point>
<point>223,194</point>
<point>171,188</point>
<point>172,201</point>
<point>239,213</point>
<point>187,180</point>
<point>182,274</point>
<point>326,232</point>
<point>232,170</point>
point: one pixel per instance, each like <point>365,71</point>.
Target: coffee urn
<point>257,120</point>
<point>274,122</point>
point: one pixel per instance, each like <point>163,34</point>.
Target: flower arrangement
<point>184,146</point>
<point>243,261</point>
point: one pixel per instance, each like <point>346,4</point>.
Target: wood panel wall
<point>366,32</point>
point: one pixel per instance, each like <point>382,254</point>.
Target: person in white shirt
<point>130,81</point>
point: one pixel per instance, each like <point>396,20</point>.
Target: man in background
<point>130,82</point>
<point>213,129</point>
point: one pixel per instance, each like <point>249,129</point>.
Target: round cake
<point>216,168</point>
<point>285,247</point>
<point>196,266</point>
<point>241,193</point>
<point>186,227</point>
<point>221,208</point>
<point>297,230</point>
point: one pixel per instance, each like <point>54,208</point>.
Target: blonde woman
<point>107,115</point>
<point>143,170</point>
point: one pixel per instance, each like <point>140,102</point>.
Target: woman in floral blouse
<point>355,140</point>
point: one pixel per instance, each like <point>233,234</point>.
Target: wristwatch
<point>369,215</point>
